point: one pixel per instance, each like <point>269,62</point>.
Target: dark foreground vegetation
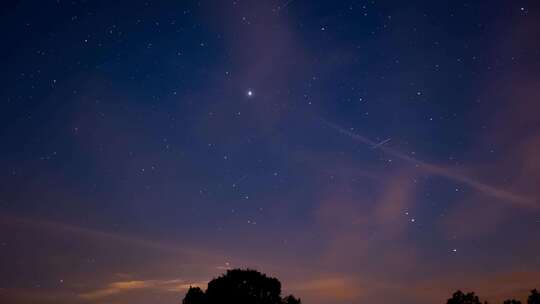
<point>252,287</point>
<point>240,287</point>
<point>470,298</point>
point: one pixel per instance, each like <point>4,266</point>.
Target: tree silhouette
<point>461,298</point>
<point>534,297</point>
<point>239,286</point>
<point>194,295</point>
<point>291,300</point>
<point>470,298</point>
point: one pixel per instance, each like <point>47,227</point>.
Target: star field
<point>360,151</point>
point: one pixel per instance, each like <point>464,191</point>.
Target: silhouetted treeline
<point>239,286</point>
<point>470,298</point>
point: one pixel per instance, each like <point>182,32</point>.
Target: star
<point>249,93</point>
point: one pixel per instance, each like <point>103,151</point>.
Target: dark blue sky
<point>382,151</point>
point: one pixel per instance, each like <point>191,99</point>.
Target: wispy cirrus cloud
<point>160,285</point>
<point>437,170</point>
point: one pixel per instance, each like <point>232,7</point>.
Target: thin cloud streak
<point>110,237</point>
<point>486,189</point>
<point>173,285</point>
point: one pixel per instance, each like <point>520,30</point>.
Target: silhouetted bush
<point>291,300</point>
<point>194,295</point>
<point>470,298</point>
<point>239,286</point>
<point>461,298</point>
<point>534,298</point>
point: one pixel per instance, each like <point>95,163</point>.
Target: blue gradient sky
<point>381,151</point>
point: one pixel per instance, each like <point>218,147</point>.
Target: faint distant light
<point>249,93</point>
<point>454,250</point>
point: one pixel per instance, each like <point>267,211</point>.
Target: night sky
<point>359,151</point>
